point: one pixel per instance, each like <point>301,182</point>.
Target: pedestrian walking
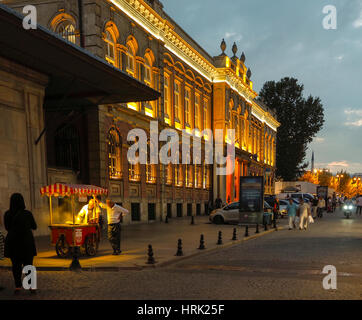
<point>276,208</point>
<point>19,242</point>
<point>304,213</point>
<point>114,216</point>
<point>314,206</point>
<point>218,203</point>
<point>359,205</point>
<point>320,207</point>
<point>292,212</point>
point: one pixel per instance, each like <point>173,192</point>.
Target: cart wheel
<point>91,246</point>
<point>62,247</point>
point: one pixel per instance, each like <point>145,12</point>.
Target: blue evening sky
<point>286,38</point>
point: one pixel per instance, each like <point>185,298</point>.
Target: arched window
<point>110,47</point>
<point>64,25</point>
<point>148,72</point>
<point>67,148</point>
<point>130,60</point>
<point>114,154</point>
<point>150,168</point>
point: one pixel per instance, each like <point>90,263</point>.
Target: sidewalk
<point>136,238</point>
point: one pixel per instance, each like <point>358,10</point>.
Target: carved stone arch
<point>59,17</point>
<point>112,28</point>
<point>150,56</point>
<point>207,87</point>
<point>169,59</point>
<point>190,74</point>
<point>132,42</point>
<point>180,66</point>
<point>199,81</point>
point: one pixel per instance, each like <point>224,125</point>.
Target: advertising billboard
<point>251,200</point>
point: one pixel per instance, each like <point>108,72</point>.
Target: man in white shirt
<point>304,213</point>
<point>89,213</point>
<point>114,214</point>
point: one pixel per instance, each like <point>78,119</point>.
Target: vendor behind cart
<point>114,214</point>
<point>89,213</point>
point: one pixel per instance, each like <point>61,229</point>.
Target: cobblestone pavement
<point>281,265</point>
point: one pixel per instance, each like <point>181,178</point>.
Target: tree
<point>309,177</point>
<point>301,119</point>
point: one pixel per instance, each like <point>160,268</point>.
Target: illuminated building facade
<point>198,92</point>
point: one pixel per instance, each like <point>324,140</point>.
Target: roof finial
<point>223,47</point>
<point>235,49</point>
<point>242,58</point>
<point>248,74</point>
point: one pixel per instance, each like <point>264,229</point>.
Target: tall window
<point>110,48</point>
<point>148,73</point>
<point>130,60</point>
<point>188,175</point>
<point>237,130</point>
<point>177,101</point>
<point>169,174</point>
<point>197,111</point>
<point>67,148</point>
<point>166,93</point>
<point>178,175</point>
<point>66,30</point>
<point>206,123</point>
<point>114,154</point>
<point>187,106</point>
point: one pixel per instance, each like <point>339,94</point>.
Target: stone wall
<point>22,162</point>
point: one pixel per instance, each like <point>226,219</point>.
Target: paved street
<point>280,265</point>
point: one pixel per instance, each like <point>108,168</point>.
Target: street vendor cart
<point>73,234</point>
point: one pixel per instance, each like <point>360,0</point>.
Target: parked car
<point>296,195</point>
<point>230,213</point>
<point>283,204</point>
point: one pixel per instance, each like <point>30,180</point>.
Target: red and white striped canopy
<point>61,189</point>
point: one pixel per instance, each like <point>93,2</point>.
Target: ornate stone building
<point>198,92</point>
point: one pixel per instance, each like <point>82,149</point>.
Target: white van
<point>295,195</point>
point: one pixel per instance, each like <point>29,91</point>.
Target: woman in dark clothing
<point>19,242</point>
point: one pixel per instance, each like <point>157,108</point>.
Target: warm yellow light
<point>132,105</point>
<point>227,62</point>
<point>168,121</point>
<point>149,112</point>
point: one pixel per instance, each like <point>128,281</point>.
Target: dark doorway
<point>198,209</point>
<point>151,211</point>
<point>206,208</point>
<point>189,209</point>
<point>135,212</point>
<point>169,210</point>
<point>179,210</point>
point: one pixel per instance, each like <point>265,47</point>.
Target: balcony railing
<point>134,177</point>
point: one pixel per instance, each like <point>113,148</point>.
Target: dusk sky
<point>286,38</point>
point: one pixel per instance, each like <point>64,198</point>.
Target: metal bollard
<point>179,252</point>
<point>192,220</point>
<point>246,231</point>
<point>75,265</point>
<point>202,243</point>
<point>234,235</point>
<point>151,259</point>
<point>219,240</point>
<point>166,220</point>
<point>257,228</point>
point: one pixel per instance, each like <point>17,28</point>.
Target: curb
<point>223,246</point>
<point>157,264</point>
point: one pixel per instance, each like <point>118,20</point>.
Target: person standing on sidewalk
<point>292,212</point>
<point>304,213</point>
<point>114,215</point>
<point>314,206</point>
<point>320,207</point>
<point>19,242</point>
<point>359,205</point>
